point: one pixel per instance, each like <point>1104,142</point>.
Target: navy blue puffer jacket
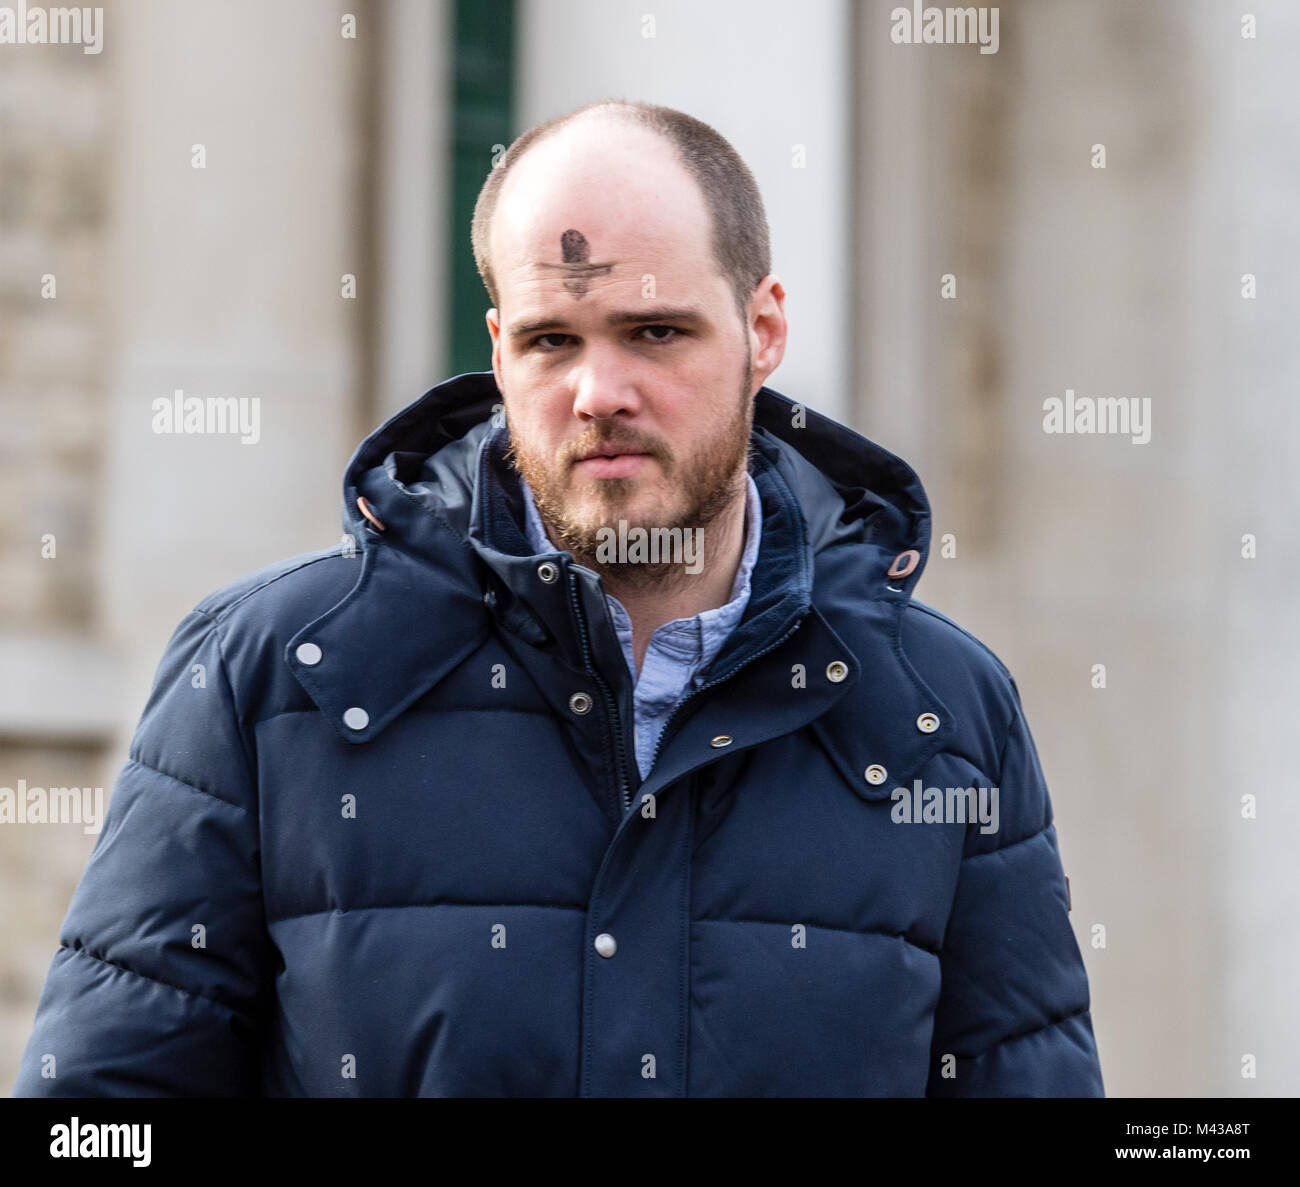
<point>368,842</point>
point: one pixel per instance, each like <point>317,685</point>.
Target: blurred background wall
<point>955,250</point>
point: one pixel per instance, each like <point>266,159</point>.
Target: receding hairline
<point>752,246</point>
<point>585,138</point>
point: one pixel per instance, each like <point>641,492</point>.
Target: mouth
<point>611,464</point>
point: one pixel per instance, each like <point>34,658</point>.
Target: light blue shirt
<point>679,650</point>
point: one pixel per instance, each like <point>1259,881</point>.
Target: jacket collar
<point>846,529</point>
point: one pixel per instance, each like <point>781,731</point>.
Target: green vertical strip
<point>482,116</point>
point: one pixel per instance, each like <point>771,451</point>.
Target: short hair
<point>741,240</point>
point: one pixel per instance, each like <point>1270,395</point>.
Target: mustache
<point>610,441</point>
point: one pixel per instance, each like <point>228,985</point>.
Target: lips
<point>608,451</point>
<point>607,465</point>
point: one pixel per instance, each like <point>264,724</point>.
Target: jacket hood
<point>437,513</point>
<point>432,453</point>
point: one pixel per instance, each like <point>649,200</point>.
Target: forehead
<point>583,216</point>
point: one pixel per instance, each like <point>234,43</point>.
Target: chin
<point>613,497</point>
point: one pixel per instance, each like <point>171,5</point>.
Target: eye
<point>669,334</point>
<point>672,330</point>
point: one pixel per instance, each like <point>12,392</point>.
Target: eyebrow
<point>683,314</point>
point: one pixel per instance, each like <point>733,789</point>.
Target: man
<point>618,759</point>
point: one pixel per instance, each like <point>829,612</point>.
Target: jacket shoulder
<point>254,617</point>
<point>943,631</point>
<point>964,673</point>
<point>292,586</point>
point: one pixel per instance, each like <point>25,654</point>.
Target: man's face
<point>627,372</point>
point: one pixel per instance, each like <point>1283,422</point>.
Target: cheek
<point>537,422</point>
<point>694,417</point>
<point>715,381</point>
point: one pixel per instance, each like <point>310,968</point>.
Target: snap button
<point>308,653</point>
<point>836,670</point>
<point>490,597</point>
<point>548,572</point>
<point>720,741</point>
<point>876,774</point>
<point>927,723</point>
<point>580,702</point>
<point>904,563</point>
<point>356,718</point>
<point>363,505</point>
<point>606,945</point>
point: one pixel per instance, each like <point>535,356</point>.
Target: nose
<point>603,388</point>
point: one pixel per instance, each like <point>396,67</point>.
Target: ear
<point>767,328</point>
<point>494,329</point>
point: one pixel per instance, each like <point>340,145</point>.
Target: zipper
<point>611,708</point>
<point>727,675</point>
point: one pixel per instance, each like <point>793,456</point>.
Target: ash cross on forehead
<point>576,253</point>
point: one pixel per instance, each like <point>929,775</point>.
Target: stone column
<point>772,77</point>
<point>228,284</point>
<point>1074,551</point>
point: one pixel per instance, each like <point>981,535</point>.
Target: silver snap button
<point>836,670</point>
<point>548,572</point>
<point>308,653</point>
<point>720,741</point>
<point>927,723</point>
<point>580,702</point>
<point>605,944</point>
<point>876,774</point>
<point>356,718</point>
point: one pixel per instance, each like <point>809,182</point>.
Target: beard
<point>708,483</point>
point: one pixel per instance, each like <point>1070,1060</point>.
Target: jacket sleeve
<point>159,985</point>
<point>1013,1014</point>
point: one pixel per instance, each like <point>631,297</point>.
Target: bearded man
<point>472,806</point>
